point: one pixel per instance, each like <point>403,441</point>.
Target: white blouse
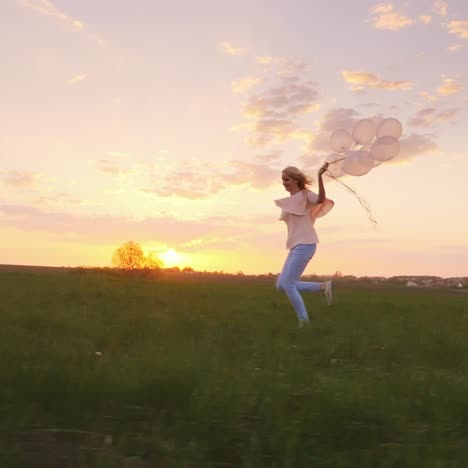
<point>299,212</point>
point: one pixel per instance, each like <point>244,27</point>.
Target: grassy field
<point>102,370</point>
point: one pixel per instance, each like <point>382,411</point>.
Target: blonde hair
<point>297,175</point>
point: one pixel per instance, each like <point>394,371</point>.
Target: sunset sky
<point>168,123</point>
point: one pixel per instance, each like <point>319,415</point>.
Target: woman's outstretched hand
<point>323,169</point>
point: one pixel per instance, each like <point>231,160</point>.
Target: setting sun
<point>170,258</point>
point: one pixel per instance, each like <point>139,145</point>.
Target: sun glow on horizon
<point>171,258</point>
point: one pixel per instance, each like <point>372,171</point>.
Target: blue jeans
<point>288,280</point>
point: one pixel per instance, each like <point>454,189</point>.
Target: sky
<point>168,123</point>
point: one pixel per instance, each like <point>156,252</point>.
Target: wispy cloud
<point>286,100</point>
<point>78,78</point>
<point>449,87</point>
<point>47,8</point>
<point>204,182</point>
<point>118,154</point>
<point>59,200</point>
<point>441,7</point>
<point>284,66</point>
<point>361,80</point>
<point>229,49</point>
<point>115,229</point>
<point>291,67</point>
<point>269,158</point>
<point>19,179</point>
<point>416,145</point>
<point>426,19</point>
<point>109,167</point>
<point>454,47</point>
<point>428,96</point>
<point>430,116</point>
<point>275,111</point>
<point>386,17</point>
<point>196,186</point>
<point>264,60</point>
<point>267,131</point>
<point>459,28</point>
<point>335,118</point>
<point>244,84</point>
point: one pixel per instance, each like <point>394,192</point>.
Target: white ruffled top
<point>299,212</point>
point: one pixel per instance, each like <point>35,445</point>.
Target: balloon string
<point>336,160</point>
<point>361,201</point>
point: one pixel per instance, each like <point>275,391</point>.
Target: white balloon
<point>335,169</point>
<point>385,148</point>
<point>390,127</point>
<point>365,159</point>
<point>341,140</point>
<point>368,148</point>
<point>358,163</point>
<point>364,131</point>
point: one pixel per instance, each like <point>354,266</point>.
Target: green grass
<point>214,373</point>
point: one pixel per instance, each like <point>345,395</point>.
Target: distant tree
<point>130,256</point>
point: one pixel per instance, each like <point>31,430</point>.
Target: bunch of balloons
<point>367,146</point>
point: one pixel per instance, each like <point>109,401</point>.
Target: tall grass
<point>102,370</point>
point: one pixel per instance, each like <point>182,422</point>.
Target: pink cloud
<point>184,235</point>
<point>430,116</point>
<point>416,145</point>
<point>20,179</point>
<point>109,167</point>
<point>459,28</point>
<point>386,17</point>
<point>196,183</point>
<point>276,111</point>
<point>361,80</point>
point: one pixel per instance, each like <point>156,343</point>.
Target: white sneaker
<point>328,291</point>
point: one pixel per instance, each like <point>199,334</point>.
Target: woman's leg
<point>309,286</point>
<point>293,268</point>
